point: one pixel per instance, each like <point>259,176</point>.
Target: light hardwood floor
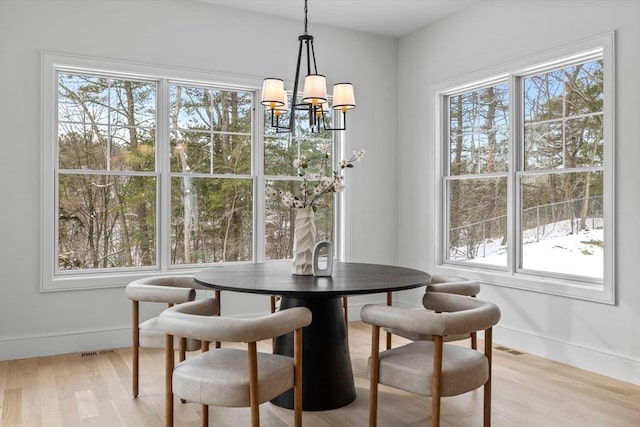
<point>95,390</point>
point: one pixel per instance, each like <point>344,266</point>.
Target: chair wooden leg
<point>168,380</point>
<point>488,346</point>
<point>135,346</point>
<point>272,306</point>
<point>182,355</point>
<point>204,347</point>
<point>437,381</point>
<point>389,302</point>
<point>374,376</point>
<point>297,363</point>
<point>474,341</point>
<point>218,296</point>
<point>253,385</point>
<point>205,415</point>
<point>182,349</point>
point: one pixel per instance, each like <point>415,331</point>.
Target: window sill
<point>587,291</point>
<point>102,280</point>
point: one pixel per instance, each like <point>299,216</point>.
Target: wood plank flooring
<point>95,390</point>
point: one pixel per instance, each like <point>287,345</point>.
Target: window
<point>527,182</point>
<point>106,175</point>
<point>149,170</point>
<point>212,202</point>
<point>281,150</point>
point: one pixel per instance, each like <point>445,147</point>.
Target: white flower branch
<point>313,186</point>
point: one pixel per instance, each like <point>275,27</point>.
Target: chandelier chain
<point>305,16</point>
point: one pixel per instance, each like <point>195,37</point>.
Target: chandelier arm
<point>309,45</point>
<point>313,55</point>
<point>294,95</point>
<point>344,122</point>
<point>281,129</point>
<point>315,121</point>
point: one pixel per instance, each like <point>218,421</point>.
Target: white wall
<point>597,337</point>
<point>181,34</point>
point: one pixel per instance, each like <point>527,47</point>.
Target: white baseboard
<point>72,342</point>
<point>599,361</point>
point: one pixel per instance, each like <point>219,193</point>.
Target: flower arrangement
<point>313,186</point>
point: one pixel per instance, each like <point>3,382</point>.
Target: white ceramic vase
<point>304,240</point>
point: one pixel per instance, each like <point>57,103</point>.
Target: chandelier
<point>314,94</point>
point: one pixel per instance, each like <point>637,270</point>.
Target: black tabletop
<point>275,278</point>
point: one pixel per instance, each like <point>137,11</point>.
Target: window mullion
<point>516,114</point>
<point>443,155</point>
<point>163,164</point>
<point>259,182</point>
<point>109,123</point>
<point>341,209</point>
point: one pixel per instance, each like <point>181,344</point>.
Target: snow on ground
<point>559,251</point>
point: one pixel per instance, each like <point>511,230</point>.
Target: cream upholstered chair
<point>448,284</point>
<point>233,377</point>
<point>432,368</point>
<point>169,290</point>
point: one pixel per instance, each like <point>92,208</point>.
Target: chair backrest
<point>453,285</point>
<point>459,314</point>
<point>187,320</point>
<point>174,289</point>
<point>445,314</point>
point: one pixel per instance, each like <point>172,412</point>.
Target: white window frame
<point>511,276</point>
<point>51,63</point>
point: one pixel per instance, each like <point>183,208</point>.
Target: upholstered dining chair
<point>448,284</point>
<point>170,290</point>
<point>432,368</point>
<point>232,377</point>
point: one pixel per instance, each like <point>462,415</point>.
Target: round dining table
<point>327,375</point>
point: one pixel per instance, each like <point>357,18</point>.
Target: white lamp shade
<point>343,97</point>
<point>285,106</point>
<point>272,90</point>
<point>324,105</point>
<point>315,89</point>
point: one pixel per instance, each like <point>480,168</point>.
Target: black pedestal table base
<point>328,377</point>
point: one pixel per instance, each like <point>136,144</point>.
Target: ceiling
<point>394,18</point>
